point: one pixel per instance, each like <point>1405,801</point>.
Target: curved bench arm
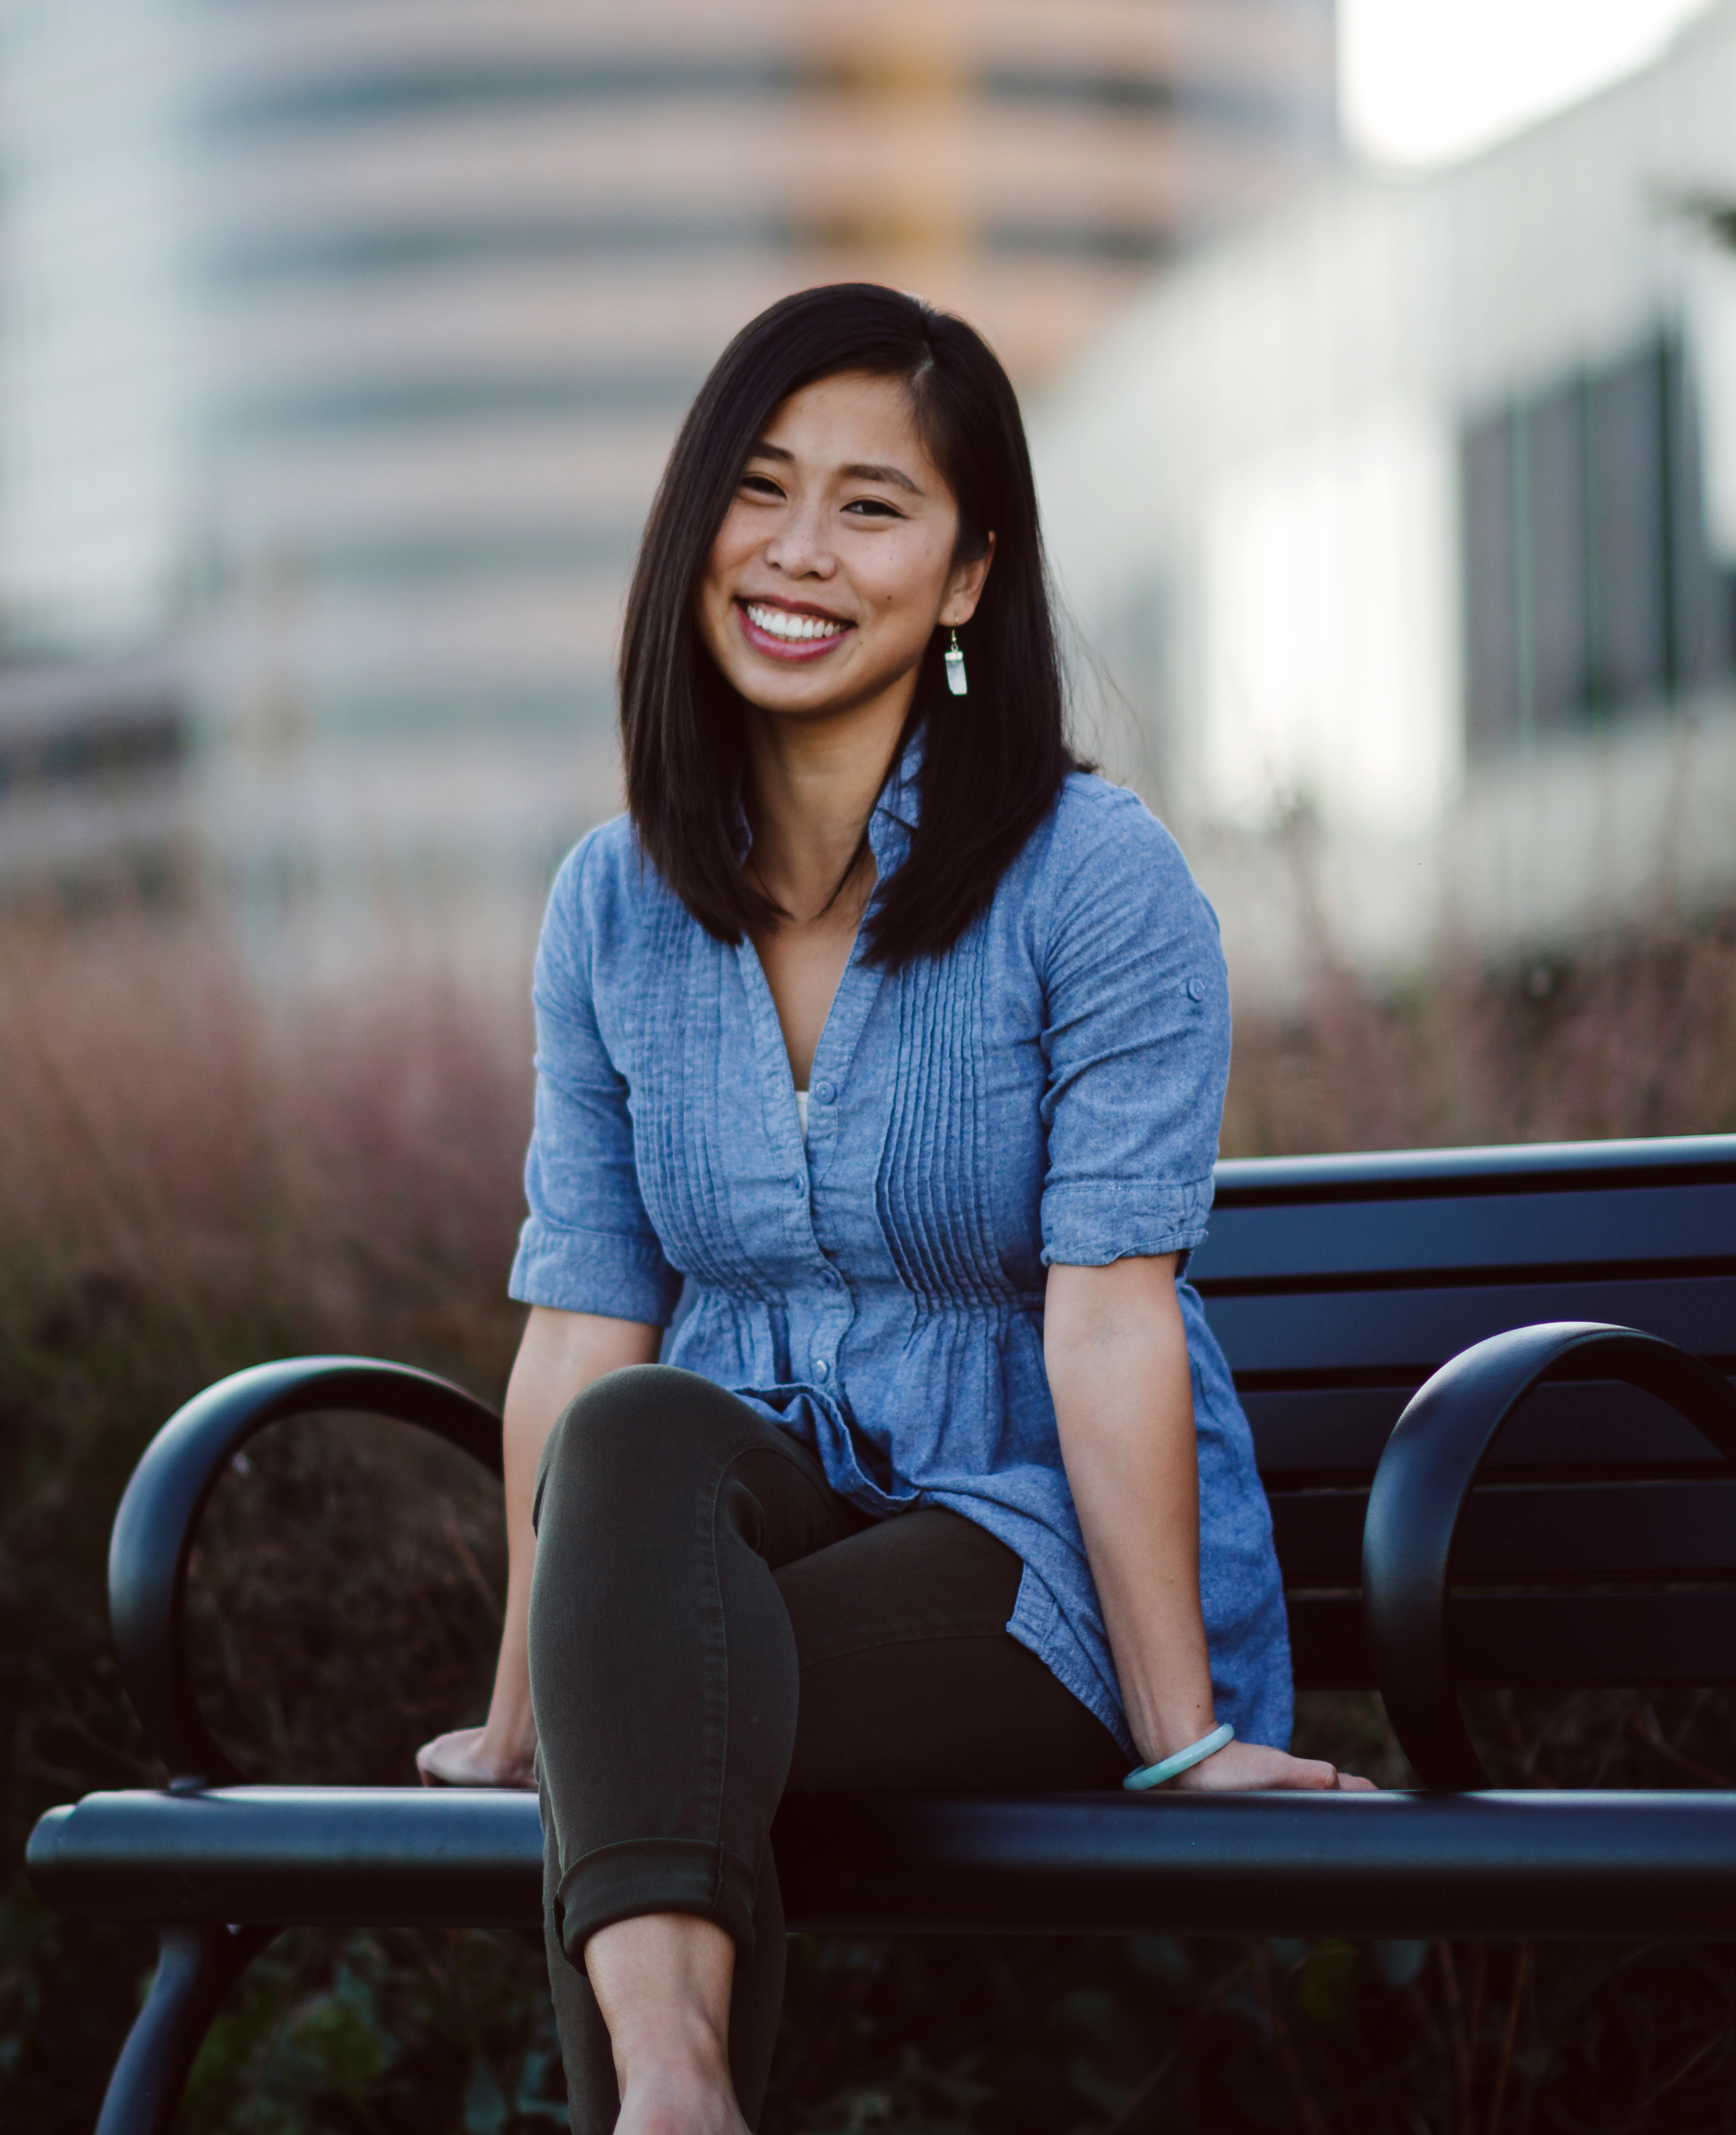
<point>159,1517</point>
<point>1423,1483</point>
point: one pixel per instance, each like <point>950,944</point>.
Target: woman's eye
<point>760,485</point>
<point>873,507</point>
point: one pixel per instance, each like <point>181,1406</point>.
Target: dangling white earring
<point>955,668</point>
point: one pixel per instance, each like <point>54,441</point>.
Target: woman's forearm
<point>1117,1357</point>
<point>560,1355</point>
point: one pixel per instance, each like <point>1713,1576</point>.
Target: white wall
<point>1250,492</point>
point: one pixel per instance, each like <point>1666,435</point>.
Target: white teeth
<point>778,623</point>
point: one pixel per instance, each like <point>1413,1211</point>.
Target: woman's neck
<point>813,783</point>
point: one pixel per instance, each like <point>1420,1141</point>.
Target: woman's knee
<point>636,1431</point>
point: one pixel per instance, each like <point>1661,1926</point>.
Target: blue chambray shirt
<point>1048,1090</point>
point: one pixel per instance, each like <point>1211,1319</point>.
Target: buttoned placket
<point>829,1309</point>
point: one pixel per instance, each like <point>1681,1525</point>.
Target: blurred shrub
<point>195,1176</point>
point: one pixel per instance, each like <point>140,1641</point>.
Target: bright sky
<point>1424,81</point>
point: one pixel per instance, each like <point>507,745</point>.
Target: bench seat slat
<point>1492,1864</point>
<point>1343,1239</point>
<point>1413,1331</point>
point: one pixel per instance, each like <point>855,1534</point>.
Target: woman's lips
<point>794,650</point>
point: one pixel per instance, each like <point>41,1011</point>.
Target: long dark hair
<point>992,760</point>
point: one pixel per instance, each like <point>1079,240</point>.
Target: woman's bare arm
<point>561,1354</point>
<point>1117,1356</point>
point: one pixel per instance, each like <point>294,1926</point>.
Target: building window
<point>1589,587</point>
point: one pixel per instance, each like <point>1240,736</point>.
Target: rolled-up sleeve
<point>1137,1046</point>
<point>588,1245</point>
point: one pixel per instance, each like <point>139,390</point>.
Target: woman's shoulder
<point>605,884</point>
<point>603,912</point>
<point>1100,837</point>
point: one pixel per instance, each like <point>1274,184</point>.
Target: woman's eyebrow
<point>896,476</point>
<point>858,471</point>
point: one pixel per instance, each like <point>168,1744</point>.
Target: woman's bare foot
<point>663,1982</point>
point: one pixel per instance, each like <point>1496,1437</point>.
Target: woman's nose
<point>799,548</point>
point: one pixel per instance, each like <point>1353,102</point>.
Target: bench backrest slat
<point>1607,1524</point>
<point>1515,1532</point>
<point>1394,1331</point>
<point>1538,1641</point>
<point>1545,1233</point>
<point>1306,1432</point>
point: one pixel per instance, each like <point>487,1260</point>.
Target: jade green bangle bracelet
<point>1183,1761</point>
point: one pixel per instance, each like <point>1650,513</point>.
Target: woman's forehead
<point>856,423</point>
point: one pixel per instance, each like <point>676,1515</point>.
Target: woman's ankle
<point>678,2098</point>
<point>662,1982</point>
<point>669,2052</point>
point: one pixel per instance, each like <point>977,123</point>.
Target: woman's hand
<point>1247,1767</point>
<point>561,1354</point>
<point>466,1758</point>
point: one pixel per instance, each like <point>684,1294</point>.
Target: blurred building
<point>1405,522</point>
<point>342,342</point>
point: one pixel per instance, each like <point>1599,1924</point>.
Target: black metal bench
<point>1587,1290</point>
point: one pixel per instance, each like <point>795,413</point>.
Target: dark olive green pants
<point>713,1626</point>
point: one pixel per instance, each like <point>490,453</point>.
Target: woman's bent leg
<point>664,1676</point>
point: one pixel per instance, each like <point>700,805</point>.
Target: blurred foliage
<point>193,1177</point>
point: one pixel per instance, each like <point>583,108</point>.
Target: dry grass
<point>192,1178</point>
<point>1636,1036</point>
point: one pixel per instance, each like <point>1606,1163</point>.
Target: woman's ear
<point>966,589</point>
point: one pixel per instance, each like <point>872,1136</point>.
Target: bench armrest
<point>1422,1484</point>
<point>160,1513</point>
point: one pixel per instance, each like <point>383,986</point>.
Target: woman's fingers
<point>438,1761</point>
<point>463,1759</point>
<point>1248,1767</point>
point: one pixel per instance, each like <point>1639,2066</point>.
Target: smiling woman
<point>900,1041</point>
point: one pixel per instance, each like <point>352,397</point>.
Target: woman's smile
<point>783,631</point>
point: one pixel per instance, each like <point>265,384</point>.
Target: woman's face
<point>835,563</point>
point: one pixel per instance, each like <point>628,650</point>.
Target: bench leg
<point>195,1968</point>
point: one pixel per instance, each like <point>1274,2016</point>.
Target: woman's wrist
<point>1160,1728</point>
<point>1159,1770</point>
<point>509,1744</point>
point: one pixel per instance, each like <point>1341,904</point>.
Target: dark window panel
<point>1628,546</point>
<point>1552,433</point>
<point>1700,643</point>
<point>1490,585</point>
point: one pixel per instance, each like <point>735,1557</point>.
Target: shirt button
<point>824,1093</point>
<point>820,1367</point>
<point>795,1186</point>
<point>1195,989</point>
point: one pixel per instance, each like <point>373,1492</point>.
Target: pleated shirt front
<point>1050,1089</point>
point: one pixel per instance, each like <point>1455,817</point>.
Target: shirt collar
<point>890,825</point>
<point>896,811</point>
